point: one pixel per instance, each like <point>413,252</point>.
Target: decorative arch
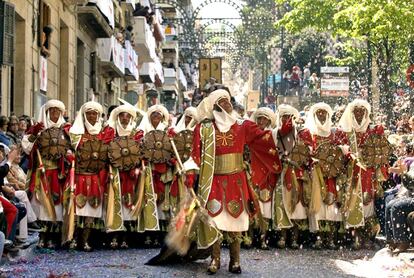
<point>217,21</point>
<point>231,3</point>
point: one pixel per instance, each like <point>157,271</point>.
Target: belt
<point>226,164</point>
<point>50,164</point>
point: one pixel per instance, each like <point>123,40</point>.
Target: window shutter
<point>7,33</point>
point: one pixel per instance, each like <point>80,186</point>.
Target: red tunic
<point>306,137</point>
<point>231,190</point>
<point>368,177</point>
<point>55,177</point>
<point>337,138</point>
<point>160,169</point>
<point>92,186</point>
<point>129,179</point>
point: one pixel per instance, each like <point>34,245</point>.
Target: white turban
<point>189,112</point>
<point>80,123</point>
<point>314,125</point>
<point>44,114</point>
<point>116,124</point>
<point>348,122</point>
<point>146,125</point>
<point>267,113</point>
<point>286,109</point>
<point>206,106</point>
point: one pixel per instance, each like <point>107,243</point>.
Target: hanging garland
<point>410,76</point>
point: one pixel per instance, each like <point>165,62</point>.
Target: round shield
<point>124,153</point>
<point>53,143</point>
<point>156,146</point>
<point>376,151</point>
<point>300,154</point>
<point>330,158</point>
<point>92,156</point>
<point>184,144</point>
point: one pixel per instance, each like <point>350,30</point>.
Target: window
<point>45,28</point>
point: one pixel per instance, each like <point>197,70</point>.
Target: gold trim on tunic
<point>227,164</point>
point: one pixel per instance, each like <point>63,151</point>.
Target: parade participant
<point>187,121</point>
<point>89,140</point>
<point>184,129</point>
<point>327,174</point>
<point>162,172</point>
<point>368,150</point>
<point>265,118</point>
<point>47,144</point>
<point>292,196</point>
<point>218,147</point>
<point>125,183</point>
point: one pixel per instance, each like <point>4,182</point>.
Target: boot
<point>124,244</point>
<point>215,259</point>
<point>356,245</point>
<point>73,244</point>
<point>42,240</point>
<point>330,241</point>
<point>234,265</point>
<point>281,243</point>
<point>85,236</point>
<point>402,247</point>
<point>295,235</point>
<point>114,243</point>
<point>318,243</point>
<point>263,242</point>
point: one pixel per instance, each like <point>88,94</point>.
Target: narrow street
<point>255,263</point>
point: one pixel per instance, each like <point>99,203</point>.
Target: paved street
<point>255,263</point>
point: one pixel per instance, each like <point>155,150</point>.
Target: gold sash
<point>227,164</point>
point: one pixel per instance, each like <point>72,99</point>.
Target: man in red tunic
<point>218,147</point>
<point>291,197</point>
<point>327,174</point>
<point>265,118</point>
<point>369,170</point>
<point>125,174</point>
<point>89,139</point>
<point>48,208</point>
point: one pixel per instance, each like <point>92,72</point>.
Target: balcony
<point>144,40</point>
<point>170,46</point>
<point>131,63</point>
<point>111,54</point>
<point>95,20</point>
<point>147,72</point>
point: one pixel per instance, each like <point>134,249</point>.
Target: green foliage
<point>387,24</point>
<point>307,47</point>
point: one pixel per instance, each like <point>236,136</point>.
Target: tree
<point>307,47</point>
<point>385,24</point>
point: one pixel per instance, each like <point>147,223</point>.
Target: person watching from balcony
<point>46,37</point>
